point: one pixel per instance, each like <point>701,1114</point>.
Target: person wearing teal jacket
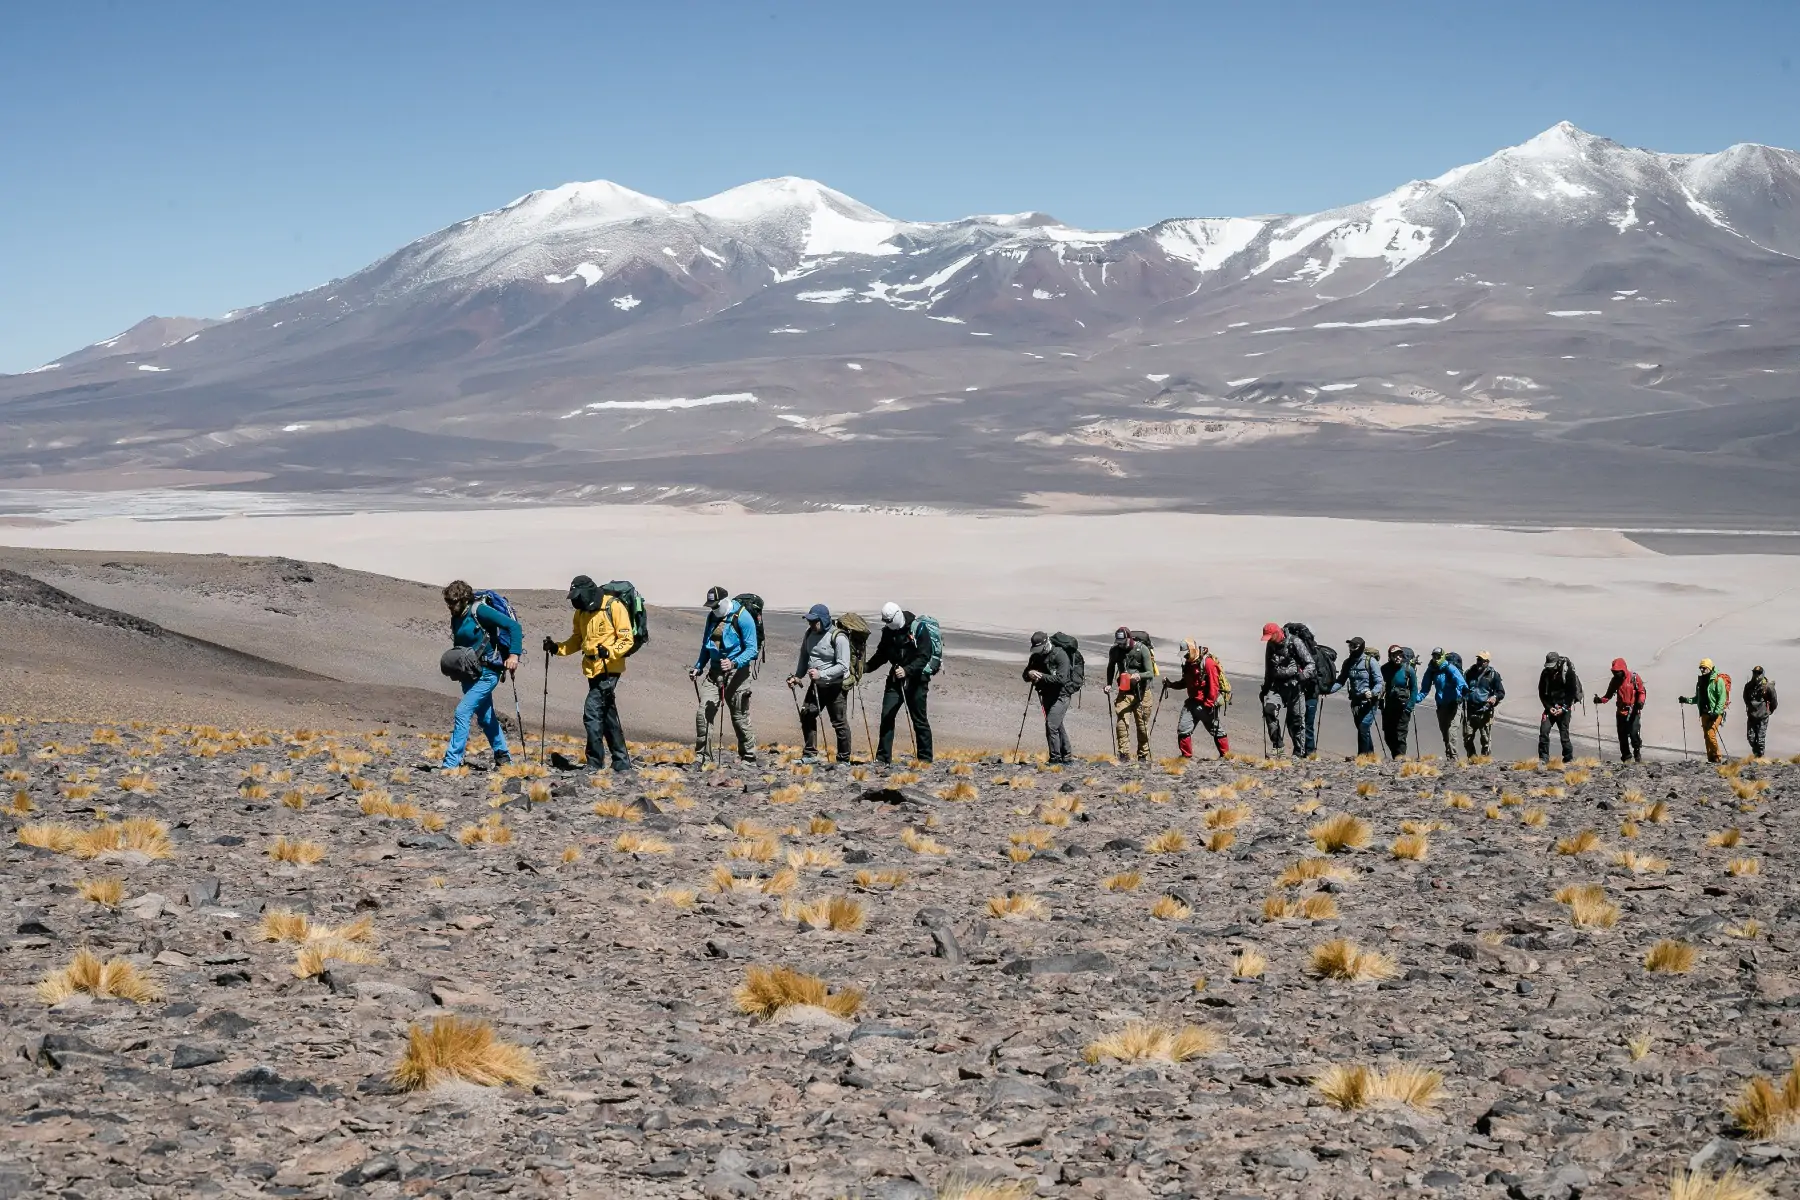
<point>494,634</point>
<point>722,673</point>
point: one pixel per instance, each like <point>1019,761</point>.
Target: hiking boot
<point>624,767</point>
<point>809,759</point>
<point>428,766</point>
<point>502,759</point>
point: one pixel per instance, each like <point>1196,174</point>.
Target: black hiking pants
<point>909,693</point>
<point>1396,716</point>
<point>605,732</point>
<point>1446,714</point>
<point>1287,695</point>
<point>1756,730</point>
<point>827,696</point>
<point>1559,722</point>
<point>1631,734</point>
<point>1056,734</point>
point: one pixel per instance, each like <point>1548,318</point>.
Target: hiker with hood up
<point>1559,691</point>
<point>912,648</point>
<point>1204,684</point>
<point>1443,675</point>
<point>728,649</point>
<point>1628,691</point>
<point>1759,705</point>
<point>1361,676</point>
<point>1710,697</point>
<point>601,632</point>
<point>1481,698</point>
<point>824,667</point>
<point>493,634</point>
<point>1402,681</point>
<point>1129,669</point>
<point>1051,673</point>
<point>1287,666</point>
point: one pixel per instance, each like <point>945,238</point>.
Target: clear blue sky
<point>188,158</point>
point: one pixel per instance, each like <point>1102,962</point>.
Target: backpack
<point>622,591</point>
<point>934,638</point>
<point>1454,659</point>
<point>1224,683</point>
<point>494,649</point>
<point>751,603</point>
<point>856,631</point>
<point>1324,657</point>
<point>1077,665</point>
<point>1726,680</point>
<point>1143,639</point>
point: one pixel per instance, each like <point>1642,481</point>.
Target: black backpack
<point>753,604</point>
<point>1324,657</point>
<point>1077,665</point>
<point>622,591</point>
<point>1454,659</point>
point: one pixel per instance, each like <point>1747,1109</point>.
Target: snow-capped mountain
<point>1563,286</point>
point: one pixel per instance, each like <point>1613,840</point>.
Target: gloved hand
<point>550,644</point>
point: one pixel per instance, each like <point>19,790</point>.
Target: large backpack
<point>1324,657</point>
<point>622,591</point>
<point>1224,683</point>
<point>1069,645</point>
<point>753,604</point>
<point>856,631</point>
<point>1144,639</point>
<point>934,639</point>
<point>1726,680</point>
<point>1454,659</point>
<point>494,650</point>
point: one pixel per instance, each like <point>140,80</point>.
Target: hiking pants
<point>1056,735</point>
<point>1285,696</point>
<point>605,732</point>
<point>1194,714</point>
<point>1129,709</point>
<point>1631,736</point>
<point>1395,718</point>
<point>733,688</point>
<point>476,706</point>
<point>1559,722</point>
<point>909,693</point>
<point>830,698</point>
<point>1362,713</point>
<point>1478,730</point>
<point>1756,729</point>
<point>1312,727</point>
<point>1446,714</point>
<point>1709,728</point>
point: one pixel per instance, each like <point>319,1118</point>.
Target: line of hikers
<point>610,623</point>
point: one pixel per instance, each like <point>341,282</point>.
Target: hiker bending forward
<point>1203,684</point>
<point>601,633</point>
<point>728,648</point>
<point>1050,672</point>
<point>824,670</point>
<point>495,637</point>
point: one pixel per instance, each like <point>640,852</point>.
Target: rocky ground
<point>1567,1066</point>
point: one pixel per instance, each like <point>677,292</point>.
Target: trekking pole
<point>1023,717</point>
<point>544,717</point>
<point>1155,713</point>
<point>1684,749</point>
<point>863,707</point>
<point>1598,753</point>
<point>519,716</point>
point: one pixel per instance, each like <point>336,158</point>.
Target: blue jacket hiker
<point>1443,675</point>
<point>729,643</point>
<point>484,623</point>
<point>1362,677</point>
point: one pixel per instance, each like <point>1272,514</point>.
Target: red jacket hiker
<point>1201,681</point>
<point>1627,688</point>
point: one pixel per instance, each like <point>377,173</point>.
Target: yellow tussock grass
<point>1307,808</point>
<point>834,912</point>
<point>1628,830</point>
<point>1356,1086</point>
<point>631,842</point>
<point>1368,788</point>
<point>1725,839</point>
<point>21,804</point>
<point>767,990</point>
<point>1019,854</point>
<point>1220,840</point>
<point>1576,778</point>
<point>988,1189</point>
<point>1459,800</point>
<point>812,856</point>
<point>1250,963</point>
<point>571,854</point>
<point>1750,928</point>
<point>1340,833</point>
<point>1412,846</point>
<point>1169,841</point>
<point>870,881</point>
<point>107,892</point>
<point>456,1049</point>
<point>314,958</point>
<point>55,836</point>
<point>1590,911</point>
<point>1126,881</point>
<point>1054,816</point>
<point>1639,864</point>
<point>433,822</point>
<point>293,798</point>
<point>1143,1041</point>
<point>1697,1185</point>
<point>1419,770</point>
<point>904,778</point>
<point>1535,818</point>
<point>787,795</point>
<point>1669,957</point>
<point>1767,1108</point>
<point>1016,906</point>
<point>677,897</point>
<point>618,810</point>
<point>961,790</point>
<point>1341,958</point>
<point>490,832</point>
<point>113,979</point>
<point>920,843</point>
<point>1168,908</point>
<point>1743,866</point>
<point>762,849</point>
<point>1228,818</point>
<point>1580,843</point>
<point>140,783</point>
<point>1160,797</point>
<point>1037,839</point>
<point>821,824</point>
<point>781,882</point>
<point>1305,870</point>
<point>1658,813</point>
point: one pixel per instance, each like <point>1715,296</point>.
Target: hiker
<point>1759,705</point>
<point>824,667</point>
<point>1206,689</point>
<point>1712,694</point>
<point>481,622</point>
<point>1559,691</point>
<point>1287,664</point>
<point>601,632</point>
<point>1444,677</point>
<point>1627,690</point>
<point>1051,672</point>
<point>912,648</point>
<point>1362,678</point>
<point>728,649</point>
<point>1402,681</point>
<point>1129,668</point>
<point>1482,695</point>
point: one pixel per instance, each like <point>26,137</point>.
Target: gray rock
<point>204,892</point>
<point>1059,964</point>
<point>1010,1091</point>
<point>226,1023</point>
<point>189,1056</point>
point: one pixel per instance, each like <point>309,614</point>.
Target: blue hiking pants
<point>477,704</point>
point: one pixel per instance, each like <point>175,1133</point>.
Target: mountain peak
<point>1564,139</point>
<point>763,197</point>
<point>593,203</point>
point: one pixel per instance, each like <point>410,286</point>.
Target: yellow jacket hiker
<point>601,631</point>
